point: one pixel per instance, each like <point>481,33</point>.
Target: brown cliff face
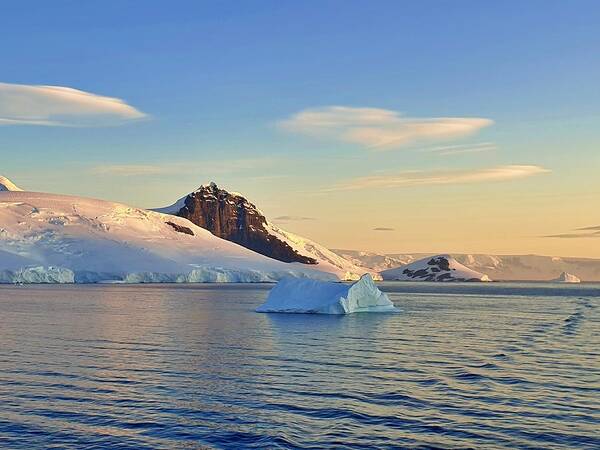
<point>232,217</point>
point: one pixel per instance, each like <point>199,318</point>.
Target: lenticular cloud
<point>378,128</point>
<point>22,104</point>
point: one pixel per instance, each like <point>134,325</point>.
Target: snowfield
<point>435,268</point>
<point>49,238</point>
<point>321,297</point>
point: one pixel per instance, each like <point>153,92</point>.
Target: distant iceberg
<point>294,295</point>
<point>566,278</point>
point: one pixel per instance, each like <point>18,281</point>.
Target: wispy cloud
<point>130,170</point>
<point>215,167</point>
<point>292,219</point>
<point>441,177</point>
<point>383,229</point>
<point>447,150</point>
<point>22,104</point>
<point>585,232</point>
<point>377,128</point>
<point>595,227</point>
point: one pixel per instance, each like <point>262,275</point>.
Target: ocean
<point>486,365</point>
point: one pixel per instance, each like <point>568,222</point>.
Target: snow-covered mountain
<point>59,238</point>
<point>566,278</point>
<point>378,261</point>
<point>7,185</point>
<point>497,267</point>
<point>531,267</point>
<point>435,268</point>
<point>231,216</point>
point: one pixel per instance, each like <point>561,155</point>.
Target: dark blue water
<point>463,366</point>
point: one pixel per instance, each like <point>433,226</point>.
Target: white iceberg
<point>566,278</point>
<point>294,295</point>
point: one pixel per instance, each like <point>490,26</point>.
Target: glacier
<point>293,295</point>
<point>38,274</point>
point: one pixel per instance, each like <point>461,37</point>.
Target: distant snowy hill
<point>435,268</point>
<point>531,267</point>
<point>7,185</point>
<point>231,216</point>
<point>59,238</point>
<point>566,278</point>
<point>497,267</point>
<point>377,261</point>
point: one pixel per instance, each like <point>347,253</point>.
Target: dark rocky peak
<point>231,216</point>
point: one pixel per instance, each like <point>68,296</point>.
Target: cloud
<point>595,227</point>
<point>383,229</point>
<point>377,128</point>
<point>215,167</point>
<point>448,150</point>
<point>585,232</point>
<point>22,104</point>
<point>129,170</point>
<point>293,219</point>
<point>574,235</point>
<point>440,177</point>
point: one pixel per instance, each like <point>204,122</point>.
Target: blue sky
<point>216,81</point>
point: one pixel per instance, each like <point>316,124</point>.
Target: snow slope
<point>566,278</point>
<point>326,259</point>
<point>321,297</point>
<point>435,268</point>
<point>7,185</point>
<point>59,238</point>
<point>377,261</point>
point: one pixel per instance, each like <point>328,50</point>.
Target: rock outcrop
<point>230,216</point>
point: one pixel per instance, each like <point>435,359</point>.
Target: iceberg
<point>566,278</point>
<point>294,295</point>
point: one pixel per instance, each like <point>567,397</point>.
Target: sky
<point>386,126</point>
